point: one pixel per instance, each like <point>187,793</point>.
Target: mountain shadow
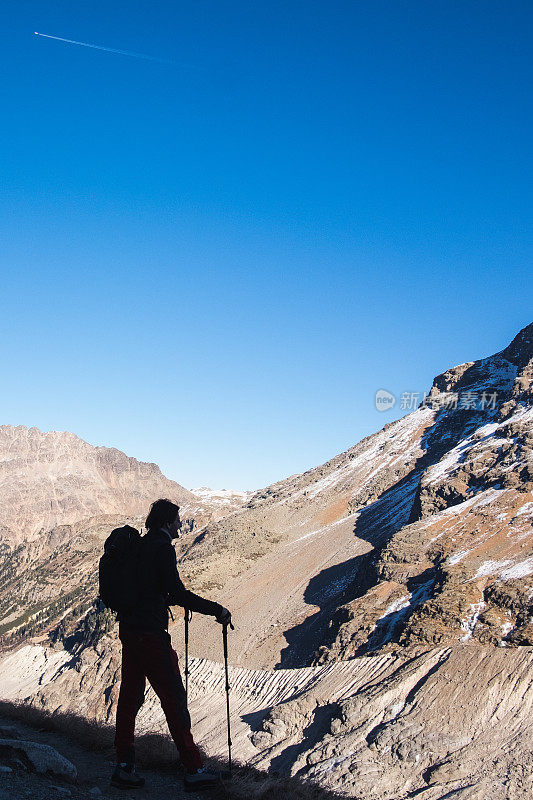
<point>377,523</point>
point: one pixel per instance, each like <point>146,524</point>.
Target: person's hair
<point>161,512</point>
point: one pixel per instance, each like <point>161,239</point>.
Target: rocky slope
<point>421,533</point>
<point>437,723</point>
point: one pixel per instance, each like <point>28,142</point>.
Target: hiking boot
<point>125,777</point>
<point>201,779</point>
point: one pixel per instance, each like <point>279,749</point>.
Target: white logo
<point>384,400</point>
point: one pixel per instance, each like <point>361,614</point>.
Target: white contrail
<point>106,49</point>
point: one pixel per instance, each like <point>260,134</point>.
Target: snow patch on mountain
<point>222,495</point>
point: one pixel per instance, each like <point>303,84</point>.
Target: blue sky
<point>214,263</point>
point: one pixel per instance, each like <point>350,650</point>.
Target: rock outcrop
<point>41,757</point>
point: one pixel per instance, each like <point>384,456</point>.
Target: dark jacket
<point>160,586</point>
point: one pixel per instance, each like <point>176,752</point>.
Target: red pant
<point>150,655</point>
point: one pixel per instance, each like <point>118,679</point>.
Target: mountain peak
<point>508,373</point>
<point>55,478</point>
<point>520,350</point>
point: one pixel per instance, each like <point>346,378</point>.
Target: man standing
<point>147,651</point>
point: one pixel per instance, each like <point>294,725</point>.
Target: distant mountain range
<point>55,478</point>
<point>59,499</point>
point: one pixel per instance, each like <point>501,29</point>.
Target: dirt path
<point>94,772</point>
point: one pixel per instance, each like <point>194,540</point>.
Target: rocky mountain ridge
<point>54,478</point>
<point>421,533</point>
<point>59,499</point>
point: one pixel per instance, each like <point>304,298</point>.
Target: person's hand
<point>224,617</point>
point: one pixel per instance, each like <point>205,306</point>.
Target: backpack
<point>118,569</point>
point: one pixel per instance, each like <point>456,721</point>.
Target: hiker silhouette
<point>146,567</point>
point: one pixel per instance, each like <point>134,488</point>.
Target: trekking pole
<point>188,616</point>
<point>225,640</point>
